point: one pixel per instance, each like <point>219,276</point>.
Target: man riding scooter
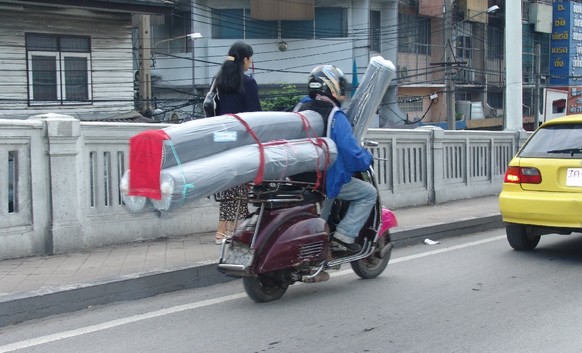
<point>326,86</point>
<point>289,237</point>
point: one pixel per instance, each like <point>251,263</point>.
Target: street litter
<point>428,241</point>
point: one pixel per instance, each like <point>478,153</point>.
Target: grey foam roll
<point>206,137</point>
<point>210,175</point>
<point>369,94</point>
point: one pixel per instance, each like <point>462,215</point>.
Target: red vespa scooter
<point>285,241</point>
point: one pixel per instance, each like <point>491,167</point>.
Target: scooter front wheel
<point>262,289</point>
<point>373,265</point>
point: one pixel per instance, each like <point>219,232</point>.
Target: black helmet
<point>327,80</point>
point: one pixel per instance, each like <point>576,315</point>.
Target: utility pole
<point>449,83</point>
<point>537,71</point>
<point>512,108</point>
<point>145,55</point>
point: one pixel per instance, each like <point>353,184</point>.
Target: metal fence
<point>59,187</point>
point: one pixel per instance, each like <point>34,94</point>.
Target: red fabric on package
<point>145,163</point>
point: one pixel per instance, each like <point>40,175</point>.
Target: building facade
<point>431,42</point>
<point>69,58</point>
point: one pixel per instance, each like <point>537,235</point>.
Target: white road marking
<point>179,308</point>
<point>110,324</point>
<point>447,249</point>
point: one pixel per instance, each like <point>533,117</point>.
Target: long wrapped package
<point>369,94</point>
<point>206,176</point>
<point>206,137</point>
<point>153,150</point>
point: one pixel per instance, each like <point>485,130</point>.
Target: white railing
<point>59,188</point>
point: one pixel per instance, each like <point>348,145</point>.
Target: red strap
<point>261,171</point>
<point>307,127</point>
<point>319,142</point>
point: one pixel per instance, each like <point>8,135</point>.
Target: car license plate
<point>574,177</point>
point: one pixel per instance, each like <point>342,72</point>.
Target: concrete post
<point>513,119</point>
<point>66,231</point>
<point>438,185</point>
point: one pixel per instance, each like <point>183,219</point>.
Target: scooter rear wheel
<point>262,289</point>
<point>373,265</point>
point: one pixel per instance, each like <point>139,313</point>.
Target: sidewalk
<point>36,287</point>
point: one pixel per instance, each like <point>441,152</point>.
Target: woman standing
<point>237,93</point>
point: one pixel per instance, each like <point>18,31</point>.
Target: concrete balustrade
<point>59,187</point>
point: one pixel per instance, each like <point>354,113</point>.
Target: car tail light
<point>522,175</point>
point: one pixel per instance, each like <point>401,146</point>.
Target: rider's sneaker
<point>345,241</point>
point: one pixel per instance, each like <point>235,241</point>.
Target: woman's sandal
<point>218,238</point>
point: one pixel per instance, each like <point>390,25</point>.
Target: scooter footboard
<point>236,258</point>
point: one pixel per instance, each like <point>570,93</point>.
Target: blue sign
<point>566,44</point>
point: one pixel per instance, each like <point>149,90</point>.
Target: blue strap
<point>186,185</point>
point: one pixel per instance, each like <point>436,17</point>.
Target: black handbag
<point>211,101</point>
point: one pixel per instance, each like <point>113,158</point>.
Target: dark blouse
<point>234,103</point>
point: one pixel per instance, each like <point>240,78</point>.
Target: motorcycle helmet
<point>327,80</point>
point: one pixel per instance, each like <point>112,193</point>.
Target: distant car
<point>542,187</point>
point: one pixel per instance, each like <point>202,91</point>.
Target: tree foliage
<point>282,99</point>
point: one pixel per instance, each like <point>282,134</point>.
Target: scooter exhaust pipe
<point>320,277</point>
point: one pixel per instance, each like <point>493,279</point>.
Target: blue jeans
<point>362,196</point>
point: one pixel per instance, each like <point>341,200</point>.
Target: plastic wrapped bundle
<point>206,137</point>
<point>369,94</point>
<point>210,175</point>
<point>132,203</point>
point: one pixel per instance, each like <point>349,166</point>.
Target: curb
<point>404,237</point>
<point>21,307</point>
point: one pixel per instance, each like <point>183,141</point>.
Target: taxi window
<point>555,141</point>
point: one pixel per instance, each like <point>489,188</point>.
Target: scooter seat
<point>280,194</point>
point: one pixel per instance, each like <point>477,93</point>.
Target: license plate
<point>574,177</point>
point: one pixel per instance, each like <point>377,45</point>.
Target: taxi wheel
<point>519,238</point>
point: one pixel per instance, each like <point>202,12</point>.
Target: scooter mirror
<point>368,143</point>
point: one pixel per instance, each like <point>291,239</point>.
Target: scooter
<point>285,240</point>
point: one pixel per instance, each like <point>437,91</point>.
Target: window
<point>59,69</point>
<point>297,29</point>
<point>172,26</point>
<point>414,34</point>
<point>464,42</point>
<point>553,138</point>
<point>228,23</point>
<point>495,99</point>
<point>260,29</point>
<point>375,31</point>
<point>495,37</point>
<point>331,22</point>
<point>410,104</point>
<point>238,24</point>
<point>531,40</point>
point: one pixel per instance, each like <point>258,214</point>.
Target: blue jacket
<point>234,103</point>
<point>351,156</point>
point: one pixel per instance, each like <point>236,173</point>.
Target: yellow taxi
<point>542,187</point>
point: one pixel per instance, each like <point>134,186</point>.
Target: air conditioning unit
<point>467,75</point>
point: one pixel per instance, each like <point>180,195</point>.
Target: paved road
<point>40,286</point>
<point>467,294</point>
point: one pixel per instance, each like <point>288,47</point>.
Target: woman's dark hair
<point>230,77</point>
